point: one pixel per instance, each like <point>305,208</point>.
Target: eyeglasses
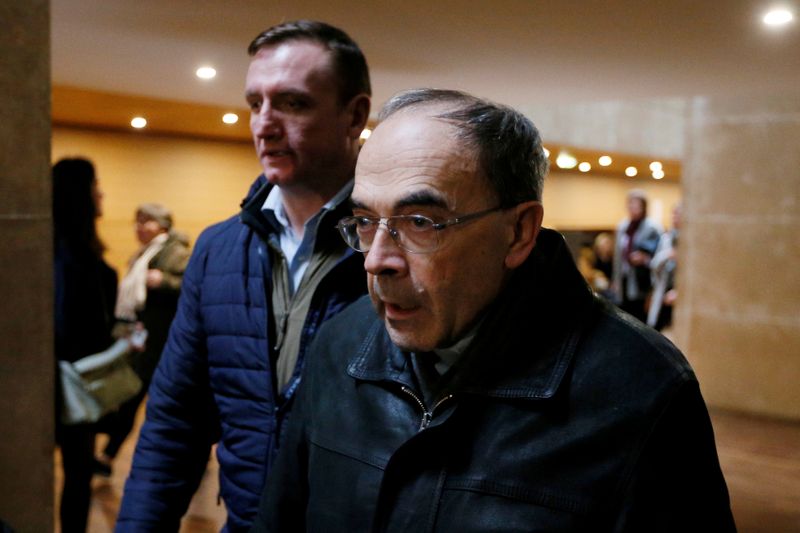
<point>414,233</point>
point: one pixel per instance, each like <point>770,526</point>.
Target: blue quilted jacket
<point>215,381</point>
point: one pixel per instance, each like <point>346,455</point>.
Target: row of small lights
<point>208,73</point>
<point>773,18</point>
<point>204,73</point>
<point>568,161</point>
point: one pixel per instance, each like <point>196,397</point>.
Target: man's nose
<point>385,258</point>
<point>266,123</point>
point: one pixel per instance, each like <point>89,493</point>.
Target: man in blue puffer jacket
<point>258,286</point>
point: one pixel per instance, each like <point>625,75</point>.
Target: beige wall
<point>27,363</point>
<point>201,181</point>
<point>739,313</point>
<point>581,201</point>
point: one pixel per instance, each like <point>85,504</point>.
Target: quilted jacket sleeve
<point>181,422</point>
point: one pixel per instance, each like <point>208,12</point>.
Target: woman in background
<point>85,292</point>
<point>148,297</point>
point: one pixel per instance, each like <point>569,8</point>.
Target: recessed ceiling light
<point>604,160</point>
<point>365,133</point>
<point>778,17</point>
<point>139,122</point>
<point>658,174</point>
<point>566,160</point>
<point>230,118</point>
<point>631,172</point>
<point>546,152</point>
<point>585,167</point>
<point>206,73</point>
<point>656,165</point>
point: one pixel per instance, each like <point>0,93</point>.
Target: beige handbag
<point>97,384</point>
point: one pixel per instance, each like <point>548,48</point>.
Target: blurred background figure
<point>596,264</point>
<point>663,267</point>
<point>148,297</point>
<point>636,242</point>
<point>85,292</point>
<point>604,255</point>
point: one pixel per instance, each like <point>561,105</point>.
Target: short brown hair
<point>348,60</point>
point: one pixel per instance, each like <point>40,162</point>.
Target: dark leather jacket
<point>564,415</point>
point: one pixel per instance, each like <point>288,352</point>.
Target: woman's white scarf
<point>132,293</point>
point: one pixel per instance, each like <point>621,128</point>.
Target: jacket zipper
<point>427,415</point>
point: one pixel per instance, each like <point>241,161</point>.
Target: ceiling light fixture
<point>778,17</point>
<point>206,73</point>
<point>546,152</point>
<point>631,172</point>
<point>585,167</point>
<point>365,133</point>
<point>230,118</point>
<point>604,160</point>
<point>138,122</point>
<point>658,174</point>
<point>566,160</point>
<point>656,165</point>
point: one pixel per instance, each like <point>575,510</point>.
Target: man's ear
<point>527,223</point>
<point>357,111</point>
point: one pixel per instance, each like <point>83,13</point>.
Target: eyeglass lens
<point>412,233</point>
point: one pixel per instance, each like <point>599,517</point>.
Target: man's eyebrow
<point>355,204</point>
<point>286,93</point>
<point>422,198</point>
<point>414,199</point>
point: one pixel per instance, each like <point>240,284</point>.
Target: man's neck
<point>302,204</point>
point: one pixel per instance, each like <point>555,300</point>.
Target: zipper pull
<point>426,420</point>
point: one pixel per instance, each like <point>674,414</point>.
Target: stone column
<point>738,318</point>
<point>26,338</point>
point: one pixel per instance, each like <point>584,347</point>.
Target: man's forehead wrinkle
<point>413,159</point>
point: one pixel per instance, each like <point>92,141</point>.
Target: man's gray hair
<point>506,143</point>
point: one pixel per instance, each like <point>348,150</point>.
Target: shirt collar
<point>274,204</point>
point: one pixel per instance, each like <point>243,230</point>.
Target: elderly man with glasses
<point>483,387</point>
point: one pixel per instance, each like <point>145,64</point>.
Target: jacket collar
<point>524,346</point>
<point>252,215</point>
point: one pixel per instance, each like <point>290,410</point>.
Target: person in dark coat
<point>634,245</point>
<point>482,386</point>
<point>85,292</point>
<point>258,286</point>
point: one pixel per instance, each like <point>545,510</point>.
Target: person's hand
<point>670,297</point>
<point>639,258</point>
<point>138,337</point>
<point>154,278</point>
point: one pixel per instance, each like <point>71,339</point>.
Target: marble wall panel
<point>26,315</point>
<point>655,127</point>
<point>738,318</point>
<point>746,268</point>
<point>747,365</point>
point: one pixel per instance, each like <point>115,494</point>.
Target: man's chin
<point>407,341</point>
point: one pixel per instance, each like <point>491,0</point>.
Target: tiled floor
<point>760,458</point>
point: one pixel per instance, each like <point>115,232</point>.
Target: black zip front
<point>427,415</point>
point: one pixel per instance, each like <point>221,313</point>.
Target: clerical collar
<point>450,355</point>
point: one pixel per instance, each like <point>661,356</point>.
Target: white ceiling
<point>519,52</point>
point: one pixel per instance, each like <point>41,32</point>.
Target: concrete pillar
<point>738,318</point>
<point>26,312</point>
